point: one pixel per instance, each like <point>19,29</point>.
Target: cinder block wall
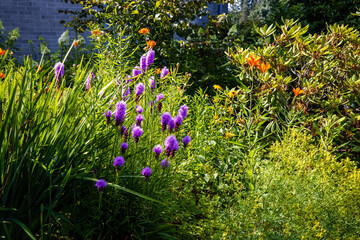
<point>35,18</point>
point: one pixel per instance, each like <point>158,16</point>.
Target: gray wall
<point>35,18</point>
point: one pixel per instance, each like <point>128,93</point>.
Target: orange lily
<point>76,43</point>
<point>2,75</point>
<point>158,70</point>
<point>2,52</point>
<point>151,44</point>
<point>144,31</point>
<point>96,32</point>
<point>263,67</point>
<point>253,60</point>
<point>297,91</point>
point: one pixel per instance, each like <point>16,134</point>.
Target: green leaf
<point>26,229</point>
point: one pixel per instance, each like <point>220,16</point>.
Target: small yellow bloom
<point>232,94</point>
<point>215,100</point>
<point>216,117</point>
<point>230,110</point>
<point>228,135</point>
<point>217,87</point>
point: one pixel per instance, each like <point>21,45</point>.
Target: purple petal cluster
<point>165,164</point>
<point>171,125</point>
<point>146,172</point>
<point>118,162</point>
<point>171,145</point>
<point>159,97</point>
<point>152,82</point>
<point>150,56</point>
<point>164,72</point>
<point>143,63</point>
<point>90,78</point>
<point>108,116</point>
<point>139,119</point>
<point>183,111</point>
<point>124,147</point>
<point>139,109</point>
<point>157,150</point>
<point>165,120</point>
<point>139,89</point>
<point>119,114</point>
<point>136,133</point>
<point>59,70</point>
<point>101,184</point>
<point>136,71</point>
<point>186,140</point>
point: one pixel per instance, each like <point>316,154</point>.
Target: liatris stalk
<point>108,117</point>
<point>159,97</point>
<point>90,79</point>
<point>165,119</point>
<point>178,121</point>
<point>183,111</point>
<point>152,82</point>
<point>171,125</point>
<point>186,140</point>
<point>118,162</point>
<point>101,184</point>
<point>164,72</point>
<point>165,163</point>
<point>157,150</point>
<point>139,119</point>
<point>171,146</point>
<point>126,93</point>
<point>136,71</point>
<point>150,56</point>
<point>139,109</point>
<point>136,133</point>
<point>125,135</point>
<point>143,63</point>
<point>59,72</point>
<point>124,147</point>
<point>139,89</point>
<point>146,172</point>
<point>122,130</point>
<point>119,114</point>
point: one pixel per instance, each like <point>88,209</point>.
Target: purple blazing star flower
<point>171,145</point>
<point>108,116</point>
<point>123,129</point>
<point>119,114</point>
<point>183,111</point>
<point>139,109</point>
<point>139,119</point>
<point>150,55</point>
<point>159,97</point>
<point>157,150</point>
<point>59,70</point>
<point>143,63</point>
<point>164,72</point>
<point>139,89</point>
<point>152,82</point>
<point>136,133</point>
<point>136,71</point>
<point>101,184</point>
<point>90,78</point>
<point>125,135</point>
<point>165,119</point>
<point>118,162</point>
<point>171,125</point>
<point>124,147</point>
<point>178,121</point>
<point>186,140</point>
<point>146,172</point>
<point>165,163</point>
<point>126,93</point>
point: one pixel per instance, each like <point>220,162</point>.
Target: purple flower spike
<point>101,184</point>
<point>128,79</point>
<point>139,89</point>
<point>164,72</point>
<point>159,97</point>
<point>124,147</point>
<point>165,119</point>
<point>183,111</point>
<point>108,116</point>
<point>59,70</point>
<point>146,172</point>
<point>139,119</point>
<point>90,78</point>
<point>139,109</point>
<point>152,82</point>
<point>165,164</point>
<point>171,146</point>
<point>119,114</point>
<point>126,93</point>
<point>150,55</point>
<point>171,125</point>
<point>136,71</point>
<point>186,140</point>
<point>118,162</point>
<point>157,150</point>
<point>136,133</point>
<point>123,129</point>
<point>143,63</point>
<point>159,107</point>
<point>178,121</point>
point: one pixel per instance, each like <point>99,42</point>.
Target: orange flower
<point>96,32</point>
<point>263,67</point>
<point>158,70</point>
<point>253,60</point>
<point>151,44</point>
<point>297,91</point>
<point>2,75</point>
<point>144,31</point>
<point>2,52</point>
<point>76,43</point>
<point>38,68</point>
